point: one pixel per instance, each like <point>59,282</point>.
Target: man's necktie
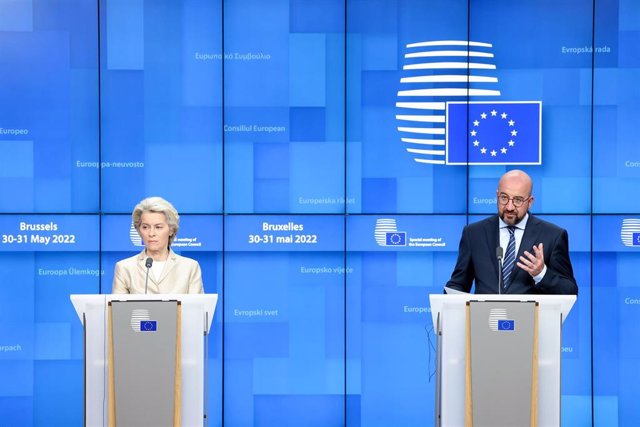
<point>509,258</point>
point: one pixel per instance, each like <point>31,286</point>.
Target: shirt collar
<point>521,225</point>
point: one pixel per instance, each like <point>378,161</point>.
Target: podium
<point>158,344</point>
<point>481,340</point>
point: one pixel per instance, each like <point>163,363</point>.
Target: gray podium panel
<point>449,314</point>
<point>196,316</point>
<point>502,356</point>
<point>144,337</point>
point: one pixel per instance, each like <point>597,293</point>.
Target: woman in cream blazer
<point>157,269</point>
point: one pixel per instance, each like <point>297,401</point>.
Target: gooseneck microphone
<point>148,263</point>
<point>499,255</point>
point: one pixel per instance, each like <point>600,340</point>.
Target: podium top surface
<point>439,301</point>
<point>82,303</point>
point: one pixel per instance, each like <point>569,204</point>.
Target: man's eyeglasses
<point>503,199</point>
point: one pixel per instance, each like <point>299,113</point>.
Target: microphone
<point>148,263</point>
<point>499,255</point>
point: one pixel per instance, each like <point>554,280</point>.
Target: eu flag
<point>494,133</point>
<point>506,325</point>
<point>396,238</point>
<point>636,239</point>
<point>148,326</point>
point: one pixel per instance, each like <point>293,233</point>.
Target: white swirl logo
<point>435,72</point>
<point>495,316</point>
<point>137,316</point>
<point>387,234</point>
<point>630,232</point>
<point>134,236</point>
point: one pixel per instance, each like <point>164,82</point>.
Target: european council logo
<point>387,234</point>
<point>499,321</point>
<point>139,317</point>
<point>630,232</point>
<point>438,126</point>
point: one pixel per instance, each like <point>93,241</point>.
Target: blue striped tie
<point>509,258</point>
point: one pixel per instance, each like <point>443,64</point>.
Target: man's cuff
<point>539,277</point>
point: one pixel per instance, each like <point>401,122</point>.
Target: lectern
<point>498,359</point>
<point>145,358</point>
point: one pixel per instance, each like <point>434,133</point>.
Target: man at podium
<point>514,252</point>
<point>157,269</point>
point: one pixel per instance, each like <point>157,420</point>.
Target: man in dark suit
<point>542,264</point>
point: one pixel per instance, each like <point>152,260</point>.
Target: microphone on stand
<point>499,255</point>
<point>148,263</point>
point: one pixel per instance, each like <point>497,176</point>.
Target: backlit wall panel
<point>616,106</point>
<point>284,106</point>
<point>284,320</point>
<point>382,173</point>
<point>390,276</point>
<point>161,99</point>
<point>49,113</point>
<point>44,259</point>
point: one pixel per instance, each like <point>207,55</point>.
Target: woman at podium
<point>157,269</point>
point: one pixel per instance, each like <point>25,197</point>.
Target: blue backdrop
<point>324,156</point>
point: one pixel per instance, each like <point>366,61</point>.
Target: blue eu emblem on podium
<point>506,325</point>
<point>148,326</point>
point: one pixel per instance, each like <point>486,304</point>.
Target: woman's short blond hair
<point>157,205</point>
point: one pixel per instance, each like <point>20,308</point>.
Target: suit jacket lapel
<point>143,269</point>
<point>529,239</point>
<point>171,263</point>
<point>492,238</point>
<point>142,257</point>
